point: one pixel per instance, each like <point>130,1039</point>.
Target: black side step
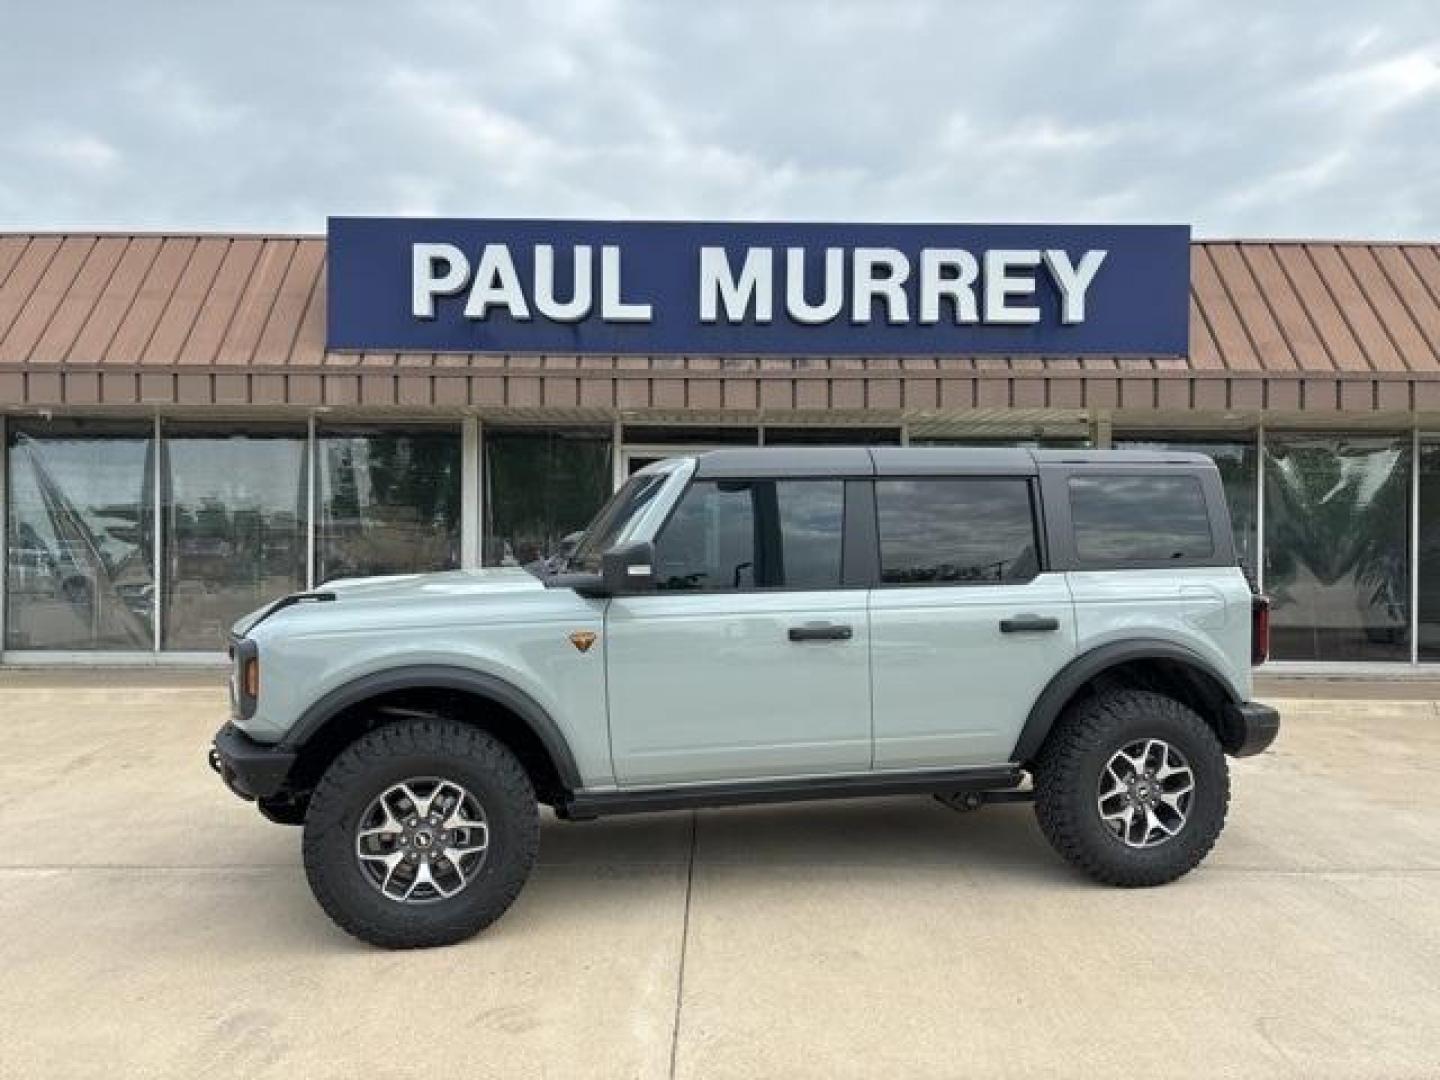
<point>584,806</point>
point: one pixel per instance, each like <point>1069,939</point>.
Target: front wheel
<point>1132,788</point>
<point>420,834</point>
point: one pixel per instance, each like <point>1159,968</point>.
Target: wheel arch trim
<point>1069,679</point>
<point>441,677</point>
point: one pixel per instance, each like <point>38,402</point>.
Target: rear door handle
<point>1029,624</point>
<point>821,632</point>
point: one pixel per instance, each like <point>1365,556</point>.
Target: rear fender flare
<point>1069,679</point>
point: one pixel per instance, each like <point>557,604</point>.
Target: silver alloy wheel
<point>1145,793</point>
<point>422,840</point>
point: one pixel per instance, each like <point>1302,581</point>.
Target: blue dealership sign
<point>709,288</point>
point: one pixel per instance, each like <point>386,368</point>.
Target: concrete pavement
<point>155,926</point>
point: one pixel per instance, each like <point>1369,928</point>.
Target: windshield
<point>612,519</point>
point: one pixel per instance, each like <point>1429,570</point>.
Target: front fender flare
<point>444,677</point>
<point>1086,666</point>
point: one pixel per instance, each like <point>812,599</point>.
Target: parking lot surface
<point>153,925</point>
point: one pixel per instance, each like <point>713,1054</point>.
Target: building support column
<point>312,485</point>
<point>1101,435</point>
<point>1415,544</point>
<point>1259,567</point>
<point>157,501</point>
<point>617,456</point>
<point>4,529</point>
<point>472,493</point>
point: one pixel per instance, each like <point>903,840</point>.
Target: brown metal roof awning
<point>126,320</point>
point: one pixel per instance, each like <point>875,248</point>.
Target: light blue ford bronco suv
<point>750,626</point>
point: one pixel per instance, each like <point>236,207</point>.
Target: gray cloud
<point>1283,119</point>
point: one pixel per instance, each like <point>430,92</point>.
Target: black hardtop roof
<point>758,462</point>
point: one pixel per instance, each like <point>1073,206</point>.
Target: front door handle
<point>821,632</point>
<point>1029,624</point>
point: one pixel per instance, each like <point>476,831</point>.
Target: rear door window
<point>1139,519</point>
<point>960,531</point>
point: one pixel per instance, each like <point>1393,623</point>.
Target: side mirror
<point>629,568</point>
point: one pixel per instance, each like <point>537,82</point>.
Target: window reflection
<point>955,531</point>
<point>811,515</point>
<point>1337,524</point>
<point>1153,519</point>
<point>235,530</point>
<point>80,572</point>
<point>389,502</point>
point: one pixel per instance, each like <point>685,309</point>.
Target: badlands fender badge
<point>582,640</point>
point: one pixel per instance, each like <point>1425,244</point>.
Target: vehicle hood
<point>399,589</point>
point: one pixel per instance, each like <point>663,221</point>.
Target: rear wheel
<point>420,834</point>
<point>1132,787</point>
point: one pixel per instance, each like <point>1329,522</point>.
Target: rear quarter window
<point>1120,518</point>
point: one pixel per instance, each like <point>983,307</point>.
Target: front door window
<point>754,534</point>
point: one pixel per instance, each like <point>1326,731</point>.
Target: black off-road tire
<point>387,756</point>
<point>1068,772</point>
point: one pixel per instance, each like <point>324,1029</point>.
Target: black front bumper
<point>250,769</point>
<point>1250,728</point>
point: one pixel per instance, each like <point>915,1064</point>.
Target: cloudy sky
<point>1317,118</point>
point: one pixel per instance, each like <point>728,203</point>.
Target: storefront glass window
<point>541,488</point>
<point>235,529</point>
<point>389,502</point>
<point>1337,530</point>
<point>81,561</point>
<point>1236,460</point>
